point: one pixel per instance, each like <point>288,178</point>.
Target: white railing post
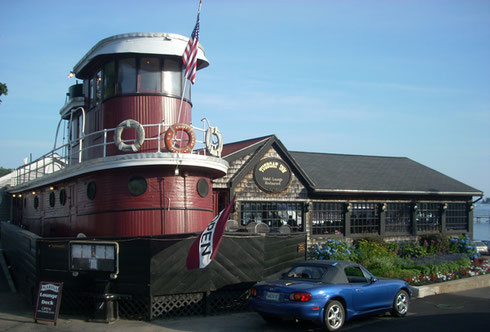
<point>104,153</point>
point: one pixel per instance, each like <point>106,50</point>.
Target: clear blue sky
<point>390,78</point>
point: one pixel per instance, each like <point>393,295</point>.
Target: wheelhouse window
<point>456,216</point>
<point>150,75</point>
<point>398,217</point>
<point>126,76</point>
<point>428,217</point>
<point>273,214</point>
<point>328,218</point>
<point>109,79</point>
<point>364,218</point>
<point>139,74</point>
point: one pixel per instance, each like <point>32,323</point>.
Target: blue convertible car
<point>329,293</point>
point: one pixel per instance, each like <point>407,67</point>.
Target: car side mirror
<point>374,279</point>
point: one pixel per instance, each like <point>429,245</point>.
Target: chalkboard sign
<point>48,301</point>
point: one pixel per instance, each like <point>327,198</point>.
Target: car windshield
<point>306,272</point>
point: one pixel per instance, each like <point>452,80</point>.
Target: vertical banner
<point>205,247</point>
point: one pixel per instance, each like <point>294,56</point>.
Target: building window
<point>150,75</point>
<point>126,76</point>
<point>456,216</point>
<point>398,217</point>
<point>98,88</point>
<point>36,202</point>
<point>364,218</point>
<point>327,218</point>
<point>428,217</point>
<point>273,214</point>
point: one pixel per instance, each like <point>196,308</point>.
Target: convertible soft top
<point>335,269</point>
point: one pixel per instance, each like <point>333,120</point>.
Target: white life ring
<point>137,142</point>
<point>214,148</point>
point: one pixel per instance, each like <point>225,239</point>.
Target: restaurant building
<point>339,196</point>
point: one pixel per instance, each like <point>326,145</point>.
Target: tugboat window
<point>91,190</point>
<point>172,78</point>
<point>109,76</point>
<point>126,78</point>
<point>36,202</point>
<point>150,75</point>
<point>52,199</point>
<point>137,185</point>
<point>202,188</point>
<point>62,196</point>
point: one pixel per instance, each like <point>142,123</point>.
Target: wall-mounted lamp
<point>415,207</point>
<point>384,207</point>
<point>14,195</point>
<point>472,206</point>
<point>71,74</point>
<point>444,207</point>
<point>349,207</point>
<point>51,188</point>
<point>33,192</point>
<point>20,195</point>
<point>176,172</point>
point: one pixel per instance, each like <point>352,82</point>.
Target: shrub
<point>463,244</point>
<point>435,243</point>
<point>332,249</point>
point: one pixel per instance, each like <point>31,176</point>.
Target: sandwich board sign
<point>48,301</point>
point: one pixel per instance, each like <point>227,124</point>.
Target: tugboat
<point>130,161</point>
<point>112,211</point>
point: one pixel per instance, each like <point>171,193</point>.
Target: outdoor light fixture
<point>415,207</point>
<point>472,206</point>
<point>94,256</point>
<point>71,74</point>
<point>444,207</point>
<point>384,207</point>
<point>33,192</point>
<point>51,188</point>
<point>349,207</point>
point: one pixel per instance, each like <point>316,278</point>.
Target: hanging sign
<point>272,175</point>
<point>48,301</point>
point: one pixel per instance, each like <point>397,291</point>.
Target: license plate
<point>272,296</point>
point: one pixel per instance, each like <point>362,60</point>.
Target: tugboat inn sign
<point>272,175</point>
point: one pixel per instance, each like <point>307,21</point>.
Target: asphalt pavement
<point>455,311</point>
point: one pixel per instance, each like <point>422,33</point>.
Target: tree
<point>3,90</point>
<point>4,171</point>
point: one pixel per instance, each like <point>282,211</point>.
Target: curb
<point>451,286</point>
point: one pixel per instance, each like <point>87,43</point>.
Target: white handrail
<point>65,155</point>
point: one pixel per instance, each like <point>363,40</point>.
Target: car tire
<point>334,316</point>
<point>400,304</point>
<point>269,319</point>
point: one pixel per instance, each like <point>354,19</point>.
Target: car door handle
<point>358,290</point>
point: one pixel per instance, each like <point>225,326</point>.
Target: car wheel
<point>269,319</point>
<point>334,315</point>
<point>400,304</point>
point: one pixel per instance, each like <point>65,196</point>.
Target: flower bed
<point>435,258</point>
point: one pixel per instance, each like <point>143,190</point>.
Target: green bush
<point>435,243</point>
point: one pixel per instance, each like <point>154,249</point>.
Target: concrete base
<point>451,286</point>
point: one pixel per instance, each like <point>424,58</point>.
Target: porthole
<point>137,185</point>
<point>202,187</point>
<point>36,202</point>
<point>52,199</point>
<point>62,196</point>
<point>91,190</point>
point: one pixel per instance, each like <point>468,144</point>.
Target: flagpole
<point>182,98</point>
<point>184,76</point>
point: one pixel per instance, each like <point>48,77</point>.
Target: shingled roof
<point>355,173</point>
<point>339,173</point>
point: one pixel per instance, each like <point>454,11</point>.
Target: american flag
<point>190,54</point>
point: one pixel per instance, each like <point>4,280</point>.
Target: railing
<point>77,151</point>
